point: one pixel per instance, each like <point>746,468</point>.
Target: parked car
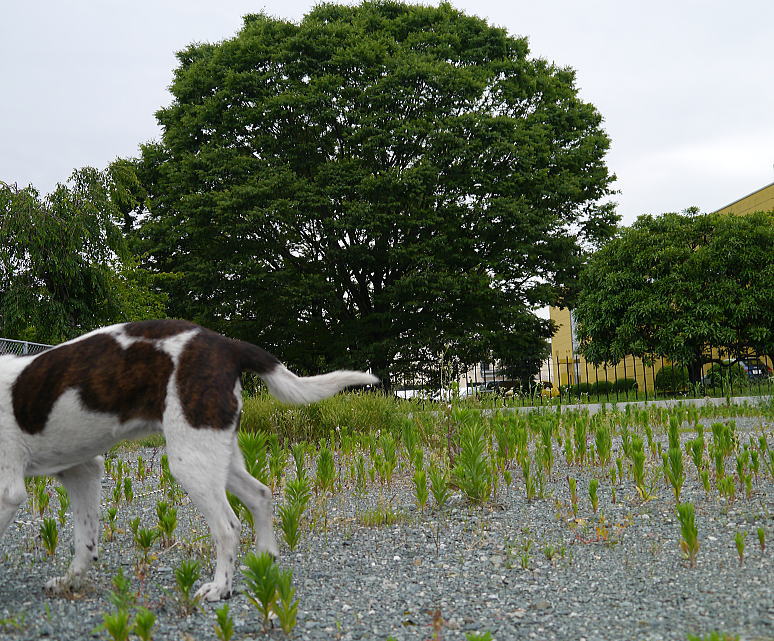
<point>748,369</point>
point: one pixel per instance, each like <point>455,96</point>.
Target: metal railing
<point>21,348</point>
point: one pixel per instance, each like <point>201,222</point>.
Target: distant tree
<point>64,266</point>
<point>375,185</point>
<point>675,285</point>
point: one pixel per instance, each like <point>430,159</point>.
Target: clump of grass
<point>49,534</point>
<point>739,541</point>
<point>673,468</point>
<point>420,488</point>
<point>439,485</point>
<point>380,516</point>
<point>186,576</point>
<point>573,495</point>
<point>224,623</point>
<point>144,620</point>
<point>167,517</point>
<point>271,590</point>
<point>593,487</point>
<point>689,532</point>
<point>253,446</point>
<point>472,473</point>
<point>64,503</point>
<point>117,625</point>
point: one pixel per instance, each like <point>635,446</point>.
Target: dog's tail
<point>285,386</point>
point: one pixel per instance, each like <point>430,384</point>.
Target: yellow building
<point>760,200</point>
<point>568,367</point>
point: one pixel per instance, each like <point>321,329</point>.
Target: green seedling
<point>144,621</point>
<point>253,446</point>
<point>167,517</point>
<point>638,466</point>
<point>360,474</point>
<point>472,473</point>
<point>261,577</point>
<point>122,596</point>
<point>278,460</point>
<point>117,625</point>
<point>40,494</point>
<point>326,471</point>
<point>142,470</point>
<point>739,541</point>
<point>593,487</point>
<point>285,606</point>
<point>388,461</point>
<point>689,542</point>
<point>726,487</point>
<point>64,503</point>
<point>224,624</point>
<point>110,522</point>
<point>478,636</point>
<point>705,480</point>
<point>128,491</point>
<point>49,534</point>
<point>439,486</point>
<point>603,442</point>
<point>581,445</point>
<point>673,468</point>
<point>186,576</point>
<point>144,538</point>
<point>298,451</point>
<point>573,495</point>
<point>762,539</point>
<point>529,479</point>
<point>290,514</point>
<point>420,488</point>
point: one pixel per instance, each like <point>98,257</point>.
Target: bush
<point>346,413</point>
<point>672,379</point>
<point>602,388</point>
<point>719,374</point>
<point>625,385</point>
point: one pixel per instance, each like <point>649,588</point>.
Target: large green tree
<point>375,185</point>
<point>64,264</point>
<point>674,286</point>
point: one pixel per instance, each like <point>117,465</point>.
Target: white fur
<point>205,461</point>
<point>299,390</point>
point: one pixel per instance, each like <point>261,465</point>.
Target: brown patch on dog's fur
<point>209,368</point>
<point>129,383</point>
<point>206,376</point>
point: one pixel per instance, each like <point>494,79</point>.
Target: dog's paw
<point>213,592</point>
<point>60,585</point>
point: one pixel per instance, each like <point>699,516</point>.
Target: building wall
<point>760,200</point>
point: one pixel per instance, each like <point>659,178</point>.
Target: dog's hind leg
<point>82,483</point>
<point>258,499</point>
<point>200,460</point>
<point>12,494</point>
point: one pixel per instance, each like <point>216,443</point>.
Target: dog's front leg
<point>82,483</point>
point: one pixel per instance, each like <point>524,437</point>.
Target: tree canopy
<point>675,285</point>
<point>373,185</point>
<point>64,265</point>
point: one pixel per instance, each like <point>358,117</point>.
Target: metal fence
<point>572,379</point>
<point>21,348</point>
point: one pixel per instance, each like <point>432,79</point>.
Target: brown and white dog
<point>59,410</point>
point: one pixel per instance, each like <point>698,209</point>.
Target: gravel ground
<point>460,571</point>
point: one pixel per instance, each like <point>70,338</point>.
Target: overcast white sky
<point>685,87</point>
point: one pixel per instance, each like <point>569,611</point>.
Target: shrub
<point>625,385</point>
<point>718,374</point>
<point>671,379</point>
